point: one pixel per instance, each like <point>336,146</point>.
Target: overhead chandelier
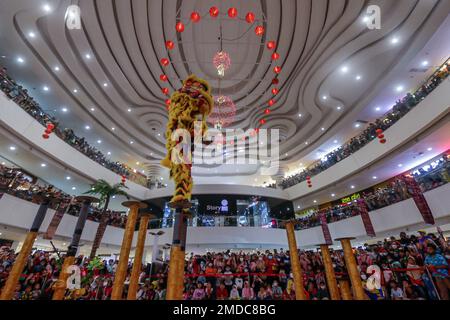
<point>223,112</point>
<point>222,62</point>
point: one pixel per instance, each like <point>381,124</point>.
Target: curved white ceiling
<point>125,40</point>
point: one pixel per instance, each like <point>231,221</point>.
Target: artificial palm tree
<point>106,192</point>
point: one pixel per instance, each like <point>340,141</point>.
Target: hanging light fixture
<point>223,112</point>
<point>222,62</point>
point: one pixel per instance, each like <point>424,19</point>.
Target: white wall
<point>404,215</point>
<point>432,108</point>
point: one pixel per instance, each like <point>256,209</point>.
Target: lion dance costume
<point>190,103</point>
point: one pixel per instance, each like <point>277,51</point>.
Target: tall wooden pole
<point>139,251</point>
<point>61,284</point>
<point>122,267</point>
<point>345,290</point>
<point>329,273</point>
<point>295,262</point>
<point>175,277</point>
<point>352,269</point>
<point>19,264</point>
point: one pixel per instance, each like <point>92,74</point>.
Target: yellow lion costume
<point>190,103</point>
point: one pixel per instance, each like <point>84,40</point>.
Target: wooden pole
<point>329,273</point>
<point>346,292</point>
<point>139,251</point>
<point>60,286</point>
<point>352,269</point>
<point>17,269</point>
<point>295,262</point>
<point>122,267</point>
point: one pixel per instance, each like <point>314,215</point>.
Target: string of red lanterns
<point>232,13</point>
<point>380,136</point>
<point>48,131</point>
<point>308,181</point>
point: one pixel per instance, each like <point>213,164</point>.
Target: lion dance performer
<point>190,103</point>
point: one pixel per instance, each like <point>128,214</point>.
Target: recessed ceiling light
<point>129,110</point>
<point>377,109</point>
<point>105,84</point>
<point>394,40</point>
<point>352,187</point>
<point>374,177</point>
<point>425,63</point>
<point>12,148</point>
<point>429,149</point>
<point>162,178</point>
<point>99,141</point>
<point>333,195</point>
<point>159,134</point>
<point>88,56</point>
<point>323,129</point>
<point>87,127</point>
<point>399,88</point>
<point>300,115</point>
<point>137,163</point>
<point>74,188</point>
<point>335,141</point>
<point>45,88</point>
<point>357,125</point>
<point>3,163</point>
<point>315,201</point>
<point>31,34</point>
<point>298,207</point>
<point>344,69</point>
<point>400,165</point>
<point>46,8</point>
<point>109,153</point>
<point>324,97</point>
<point>75,90</point>
<point>64,244</point>
<point>68,178</point>
<point>56,68</point>
<point>358,77</point>
<point>306,142</point>
<point>131,142</point>
<point>20,60</point>
<point>43,165</point>
<point>64,109</point>
<point>339,107</point>
<point>113,128</point>
<point>365,19</point>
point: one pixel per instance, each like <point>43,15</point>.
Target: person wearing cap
<point>439,269</point>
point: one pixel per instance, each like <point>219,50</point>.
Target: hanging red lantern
<point>271,45</point>
<point>232,12</point>
<point>45,136</point>
<point>271,102</point>
<point>164,61</point>
<point>275,81</point>
<point>50,126</point>
<point>277,69</point>
<point>163,77</point>
<point>262,121</point>
<point>381,136</point>
<point>179,26</point>
<point>195,17</point>
<point>383,141</point>
<point>48,131</point>
<point>168,102</point>
<point>275,56</point>
<point>214,12</point>
<point>165,91</point>
<point>124,179</point>
<point>259,30</point>
<point>275,91</point>
<point>170,45</point>
<point>267,111</point>
<point>379,131</point>
<point>250,17</point>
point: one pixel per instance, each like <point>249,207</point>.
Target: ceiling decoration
<point>294,63</point>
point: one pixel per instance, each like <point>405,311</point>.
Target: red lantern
<point>383,141</point>
<point>309,186</point>
<point>267,111</point>
<point>164,61</point>
<point>271,102</point>
<point>275,91</point>
<point>379,131</point>
<point>179,26</point>
<point>381,136</point>
<point>275,81</point>
<point>165,91</point>
<point>163,77</point>
<point>232,12</point>
<point>275,56</point>
<point>168,102</point>
<point>195,17</point>
<point>169,44</point>
<point>214,12</point>
<point>308,178</point>
<point>277,69</point>
<point>259,30</point>
<point>262,121</point>
<point>250,17</point>
<point>45,136</point>
<point>271,45</point>
<point>50,126</point>
<point>48,131</point>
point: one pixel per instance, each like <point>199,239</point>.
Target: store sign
<point>222,208</point>
<point>351,198</point>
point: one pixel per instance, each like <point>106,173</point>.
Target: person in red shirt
<point>222,292</point>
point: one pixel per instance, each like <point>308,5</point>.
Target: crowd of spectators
<point>400,108</point>
<point>22,97</point>
<point>254,275</point>
<point>21,185</point>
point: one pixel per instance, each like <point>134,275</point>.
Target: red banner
<point>56,220</point>
<point>419,199</point>
<point>364,212</point>
<point>325,230</point>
